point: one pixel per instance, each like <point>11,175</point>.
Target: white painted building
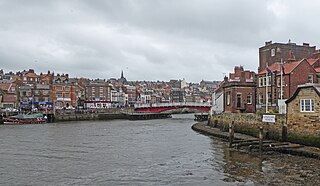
<point>217,102</point>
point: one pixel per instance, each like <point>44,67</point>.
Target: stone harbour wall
<point>76,117</point>
<point>250,123</point>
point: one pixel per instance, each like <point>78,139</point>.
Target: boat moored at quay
<point>37,118</point>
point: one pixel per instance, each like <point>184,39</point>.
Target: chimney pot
<point>268,43</point>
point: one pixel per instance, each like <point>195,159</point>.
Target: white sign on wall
<point>269,118</point>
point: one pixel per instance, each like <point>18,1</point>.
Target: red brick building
<point>29,77</point>
<point>273,52</point>
<point>9,97</point>
<point>294,74</point>
<point>63,92</point>
<point>46,79</point>
<point>98,95</point>
<point>239,91</point>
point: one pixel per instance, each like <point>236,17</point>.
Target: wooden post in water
<point>260,140</point>
<point>231,133</point>
<point>284,131</point>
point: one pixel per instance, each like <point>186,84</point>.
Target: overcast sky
<point>149,39</point>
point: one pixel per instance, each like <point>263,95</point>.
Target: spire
<point>122,78</point>
<point>122,74</point>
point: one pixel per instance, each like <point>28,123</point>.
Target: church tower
<point>122,78</point>
<point>121,75</point>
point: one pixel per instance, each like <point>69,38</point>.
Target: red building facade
<point>239,91</point>
<point>293,74</point>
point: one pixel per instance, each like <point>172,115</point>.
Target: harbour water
<point>148,152</point>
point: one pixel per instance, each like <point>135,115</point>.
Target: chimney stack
<point>268,43</point>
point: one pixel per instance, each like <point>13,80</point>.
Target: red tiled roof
<point>31,75</point>
<point>6,86</point>
<point>288,67</point>
<point>317,69</point>
<point>312,61</point>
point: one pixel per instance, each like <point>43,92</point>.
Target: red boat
<point>25,119</point>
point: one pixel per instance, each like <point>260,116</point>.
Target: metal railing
<point>180,104</point>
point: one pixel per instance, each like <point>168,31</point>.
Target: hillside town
<point>242,91</point>
<point>26,90</point>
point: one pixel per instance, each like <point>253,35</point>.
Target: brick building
<point>42,94</point>
<point>46,79</point>
<point>131,94</point>
<point>98,94</point>
<point>29,77</point>
<point>294,74</point>
<point>239,91</point>
<point>63,92</point>
<point>9,96</point>
<point>273,52</point>
<point>177,95</point>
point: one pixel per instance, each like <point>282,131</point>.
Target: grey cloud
<point>159,39</point>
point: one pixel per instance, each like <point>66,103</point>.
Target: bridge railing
<point>193,104</point>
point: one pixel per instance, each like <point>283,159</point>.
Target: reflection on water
<point>240,166</point>
<point>154,152</point>
<point>275,169</point>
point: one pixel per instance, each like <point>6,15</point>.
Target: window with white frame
<point>268,81</point>
<point>261,82</point>
<point>273,52</point>
<point>260,98</point>
<point>306,105</point>
<point>279,82</point>
<point>264,81</point>
<point>228,98</point>
<point>249,99</point>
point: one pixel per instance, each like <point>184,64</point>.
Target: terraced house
<point>63,92</point>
